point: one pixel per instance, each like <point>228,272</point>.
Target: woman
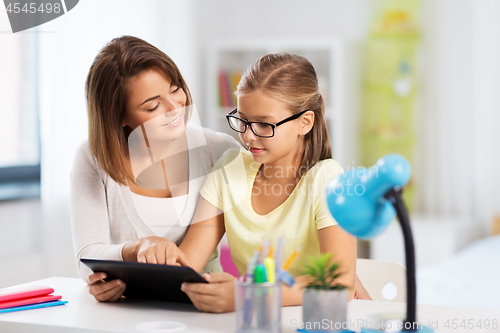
<point>115,215</point>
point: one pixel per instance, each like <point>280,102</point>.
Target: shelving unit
<point>391,84</point>
<point>231,56</point>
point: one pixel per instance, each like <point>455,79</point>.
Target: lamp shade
<point>356,198</point>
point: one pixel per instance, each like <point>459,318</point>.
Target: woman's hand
<point>154,250</point>
<point>216,296</point>
<point>105,291</point>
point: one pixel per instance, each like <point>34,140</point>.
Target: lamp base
<point>421,329</point>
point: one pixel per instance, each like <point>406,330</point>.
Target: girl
<point>275,188</point>
<point>133,86</point>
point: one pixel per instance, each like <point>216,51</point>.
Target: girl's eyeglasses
<point>263,130</point>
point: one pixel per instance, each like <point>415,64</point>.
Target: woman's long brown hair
<point>106,93</point>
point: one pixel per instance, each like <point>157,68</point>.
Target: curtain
<point>459,122</point>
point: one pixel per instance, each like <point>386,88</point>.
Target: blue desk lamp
<point>364,201</point>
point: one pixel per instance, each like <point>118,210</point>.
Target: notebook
<point>33,306</point>
<point>11,294</point>
<point>29,300</point>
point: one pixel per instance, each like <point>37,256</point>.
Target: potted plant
<point>324,305</point>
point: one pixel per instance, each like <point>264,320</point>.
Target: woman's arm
<point>91,230</point>
<point>90,225</point>
<point>203,235</point>
<point>89,213</point>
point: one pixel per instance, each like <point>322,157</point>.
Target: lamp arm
<point>394,195</point>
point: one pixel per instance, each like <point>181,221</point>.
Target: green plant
<point>322,273</point>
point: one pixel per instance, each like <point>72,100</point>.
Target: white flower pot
<point>325,310</point>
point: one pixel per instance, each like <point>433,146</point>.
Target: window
<point>19,125</point>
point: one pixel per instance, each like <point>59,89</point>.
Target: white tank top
<point>159,214</point>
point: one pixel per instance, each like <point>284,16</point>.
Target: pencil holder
<point>258,307</point>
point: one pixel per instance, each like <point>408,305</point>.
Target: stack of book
<point>25,298</point>
<point>228,81</point>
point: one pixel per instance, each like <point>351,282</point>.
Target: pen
<point>270,255</point>
<point>286,278</point>
<point>270,268</point>
<point>264,252</point>
<point>269,292</point>
<point>291,258</point>
<point>278,257</point>
<point>260,274</point>
<point>251,267</point>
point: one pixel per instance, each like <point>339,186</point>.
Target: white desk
<point>84,314</point>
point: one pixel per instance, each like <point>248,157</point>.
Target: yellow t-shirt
<point>305,211</point>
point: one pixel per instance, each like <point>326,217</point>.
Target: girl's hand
<point>359,290</point>
<point>154,250</point>
<point>216,296</point>
<point>105,291</point>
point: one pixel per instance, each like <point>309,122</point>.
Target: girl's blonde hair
<point>291,79</point>
<point>107,96</point>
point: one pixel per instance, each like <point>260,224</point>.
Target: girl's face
<point>157,103</point>
<point>285,144</point>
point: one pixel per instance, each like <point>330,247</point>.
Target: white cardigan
<point>103,215</point>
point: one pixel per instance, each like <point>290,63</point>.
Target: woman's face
<point>283,146</point>
<point>155,101</point>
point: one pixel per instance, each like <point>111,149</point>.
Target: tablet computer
<point>147,281</point>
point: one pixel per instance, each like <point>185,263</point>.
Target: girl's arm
<point>203,236</point>
<point>218,295</point>
<point>335,240</point>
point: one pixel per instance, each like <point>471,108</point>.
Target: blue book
<point>33,306</point>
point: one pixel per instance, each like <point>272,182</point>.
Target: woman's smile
<point>176,121</point>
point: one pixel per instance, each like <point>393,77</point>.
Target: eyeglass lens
<point>260,129</point>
